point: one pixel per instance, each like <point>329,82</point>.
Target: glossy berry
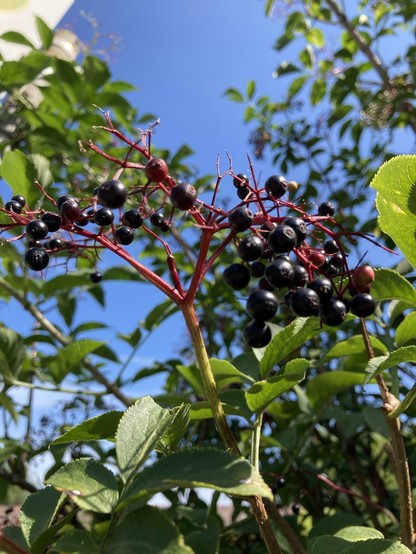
<point>37,229</point>
<point>183,196</point>
<point>96,277</point>
<point>299,226</point>
<point>156,170</point>
<point>257,269</point>
<point>333,312</point>
<point>19,198</point>
<point>363,276</point>
<point>323,288</point>
<point>63,199</point>
<point>296,509</point>
<point>53,221</point>
<point>13,206</point>
<point>250,248</point>
<point>132,218</point>
<point>276,186</point>
<point>279,273</point>
<point>282,239</point>
<point>124,235</point>
<point>37,258</point>
<point>112,194</point>
<point>236,276</point>
<point>257,334</point>
<point>330,246</point>
<point>300,276</point>
<point>326,208</point>
<point>362,304</point>
<point>262,305</point>
<point>240,181</point>
<point>337,260</point>
<point>316,258</point>
<point>56,244</point>
<point>281,483</point>
<point>240,219</point>
<point>70,210</point>
<point>243,192</point>
<point>304,302</point>
<point>165,227</point>
<point>157,219</point>
<point>103,217</point>
<point>265,285</point>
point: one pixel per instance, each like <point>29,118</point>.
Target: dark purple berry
<point>19,198</point>
<point>300,276</point>
<point>279,273</point>
<point>240,181</point>
<point>257,269</point>
<point>236,276</point>
<point>83,220</point>
<point>132,218</point>
<point>257,334</point>
<point>243,192</point>
<point>362,304</point>
<point>337,260</point>
<point>276,186</point>
<point>70,210</point>
<point>165,227</point>
<point>13,206</point>
<point>323,288</point>
<point>112,194</point>
<point>250,248</point>
<point>53,221</point>
<point>296,509</point>
<point>63,199</point>
<point>55,244</point>
<point>265,285</point>
<point>157,219</point>
<point>96,277</point>
<point>240,219</point>
<point>124,235</point>
<point>326,208</point>
<point>37,229</point>
<point>281,483</point>
<point>156,170</point>
<point>37,258</point>
<point>183,196</point>
<point>331,247</point>
<point>282,239</point>
<point>304,302</point>
<point>299,226</point>
<point>103,217</point>
<point>333,312</point>
<point>262,305</point>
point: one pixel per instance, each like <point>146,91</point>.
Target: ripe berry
<point>37,229</point>
<point>262,305</point>
<point>279,273</point>
<point>300,276</point>
<point>299,226</point>
<point>37,258</point>
<point>265,285</point>
<point>240,219</point>
<point>70,210</point>
<point>13,206</point>
<point>304,302</point>
<point>112,194</point>
<point>257,334</point>
<point>132,218</point>
<point>326,208</point>
<point>296,509</point>
<point>157,219</point>
<point>243,192</point>
<point>362,304</point>
<point>55,244</point>
<point>240,181</point>
<point>257,269</point>
<point>337,260</point>
<point>330,246</point>
<point>183,196</point>
<point>103,217</point>
<point>19,198</point>
<point>156,170</point>
<point>282,239</point>
<point>124,235</point>
<point>276,186</point>
<point>165,227</point>
<point>236,276</point>
<point>63,199</point>
<point>53,221</point>
<point>96,277</point>
<point>363,276</point>
<point>333,312</point>
<point>250,248</point>
<point>323,288</point>
<point>281,483</point>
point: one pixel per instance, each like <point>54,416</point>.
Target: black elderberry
<point>262,305</point>
<point>96,277</point>
<point>63,199</point>
<point>37,258</point>
<point>323,288</point>
<point>236,276</point>
<point>300,276</point>
<point>37,229</point>
<point>257,269</point>
<point>299,226</point>
<point>53,221</point>
<point>304,302</point>
<point>265,285</point>
<point>132,218</point>
<point>112,194</point>
<point>326,208</point>
<point>19,198</point>
<point>103,217</point>
<point>330,246</point>
<point>362,304</point>
<point>243,192</point>
<point>282,239</point>
<point>124,235</point>
<point>165,227</point>
<point>250,248</point>
<point>279,273</point>
<point>333,312</point>
<point>257,334</point>
<point>296,509</point>
<point>183,196</point>
<point>276,186</point>
<point>13,206</point>
<point>240,181</point>
<point>70,210</point>
<point>240,219</point>
<point>337,260</point>
<point>55,244</point>
<point>157,219</point>
<point>281,483</point>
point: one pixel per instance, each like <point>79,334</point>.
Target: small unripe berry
<point>156,170</point>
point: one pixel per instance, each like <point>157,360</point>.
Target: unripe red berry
<point>156,170</point>
<point>363,276</point>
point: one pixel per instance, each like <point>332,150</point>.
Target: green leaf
<point>284,68</point>
<point>87,483</point>
<point>377,546</point>
<point>12,353</point>
<point>15,74</point>
<point>148,530</point>
<point>70,358</point>
<point>316,37</point>
<point>323,386</point>
<point>16,38</point>
<point>205,540</point>
<point>289,339</point>
<point>225,373</point>
<point>96,72</point>
<point>159,314</point>
<point>358,533</point>
<point>102,427</point>
<point>120,273</point>
<point>8,404</point>
<point>396,202</point>
<point>193,376</point>
<point>318,90</point>
<point>260,394</point>
<point>45,32</point>
<point>201,410</point>
<point>296,85</point>
<point>139,430</point>
<point>355,345</point>
<point>328,543</point>
<point>390,285</point>
<point>234,95</point>
<point>38,511</point>
<point>177,427</point>
<point>406,330</point>
<point>19,173</point>
<point>250,89</point>
<point>214,469</point>
<point>76,541</point>
<point>381,363</point>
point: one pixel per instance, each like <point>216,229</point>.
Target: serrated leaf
<point>358,533</point>
<point>225,373</point>
<point>381,363</point>
<point>355,345</point>
<point>260,394</point>
<point>16,38</point>
<point>149,531</point>
<point>102,427</point>
<point>406,330</point>
<point>177,427</point>
<point>214,469</point>
<point>88,483</point>
<point>289,339</point>
<point>12,353</point>
<point>320,388</point>
<point>377,546</point>
<point>139,430</point>
<point>38,512</point>
<point>69,358</point>
<point>396,202</point>
<point>45,32</point>
<point>328,543</point>
<point>77,541</point>
<point>390,285</point>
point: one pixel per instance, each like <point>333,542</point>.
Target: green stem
<point>255,442</point>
